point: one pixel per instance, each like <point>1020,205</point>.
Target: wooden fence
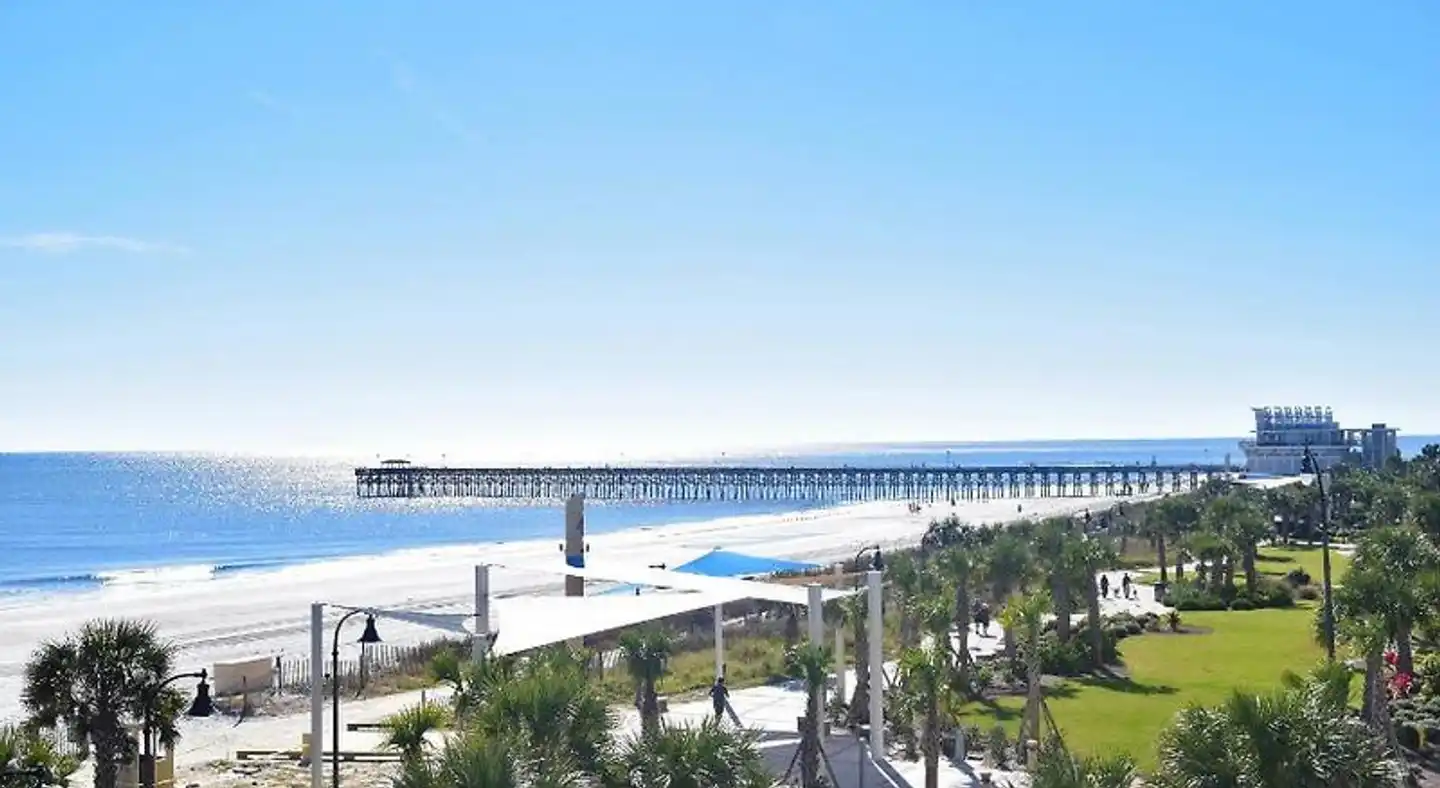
<point>293,675</point>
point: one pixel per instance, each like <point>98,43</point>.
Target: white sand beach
<point>267,613</point>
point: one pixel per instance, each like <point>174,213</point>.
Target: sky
<point>576,229</point>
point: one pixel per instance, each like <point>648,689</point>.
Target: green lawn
<point>1243,649</point>
<point>1278,560</point>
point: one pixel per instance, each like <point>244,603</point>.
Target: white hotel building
<point>1283,433</point>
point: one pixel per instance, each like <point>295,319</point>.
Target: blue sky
<point>578,229</point>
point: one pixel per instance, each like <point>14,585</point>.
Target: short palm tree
<point>1299,735</point>
<point>683,756</point>
<point>24,752</point>
<point>925,676</point>
<point>1057,768</point>
<point>1007,566</point>
<point>647,656</point>
<point>810,663</point>
<point>1026,615</point>
<point>408,729</point>
<point>856,609</point>
<point>98,682</point>
<point>474,760</point>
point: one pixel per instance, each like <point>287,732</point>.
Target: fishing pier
<point>736,483</point>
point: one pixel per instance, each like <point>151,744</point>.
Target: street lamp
<point>877,561</point>
<point>200,707</point>
<point>1308,464</point>
<point>366,638</point>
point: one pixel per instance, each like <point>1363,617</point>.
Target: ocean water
<point>76,521</point>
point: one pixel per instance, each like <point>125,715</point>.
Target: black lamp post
<point>367,637</point>
<point>877,561</point>
<point>202,706</point>
<point>1308,464</point>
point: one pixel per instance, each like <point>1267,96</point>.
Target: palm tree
<point>857,610</point>
<point>1008,564</point>
<point>407,730</point>
<point>1402,572</point>
<point>1299,735</point>
<point>810,663</point>
<point>647,656</point>
<point>99,681</point>
<point>924,676</point>
<point>1026,614</point>
<point>25,752</point>
<point>906,586</point>
<point>550,700</point>
<point>1239,524</point>
<point>474,760</point>
<point>702,756</point>
<point>1056,543</point>
<point>958,570</point>
<point>1096,556</point>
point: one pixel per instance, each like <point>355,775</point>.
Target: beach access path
<point>266,613</point>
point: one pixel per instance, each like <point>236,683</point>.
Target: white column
<point>877,656</point>
<point>815,617</point>
<point>840,664</point>
<point>719,640</point>
<point>481,644</point>
<point>317,695</point>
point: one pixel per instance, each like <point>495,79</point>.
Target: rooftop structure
<point>1282,434</point>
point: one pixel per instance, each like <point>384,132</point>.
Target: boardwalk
<point>722,483</point>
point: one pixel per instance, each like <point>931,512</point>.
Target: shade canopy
<point>724,563</point>
<point>728,587</point>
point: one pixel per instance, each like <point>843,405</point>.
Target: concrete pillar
<point>317,695</point>
<point>815,617</point>
<point>876,626</point>
<point>575,543</point>
<point>719,640</point>
<point>481,645</point>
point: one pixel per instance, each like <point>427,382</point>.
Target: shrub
<point>1308,593</point>
<point>997,748</point>
<point>1242,603</point>
<point>1297,577</point>
<point>1185,596</point>
<point>1408,736</point>
<point>1173,620</point>
<point>1427,668</point>
<point>1134,628</point>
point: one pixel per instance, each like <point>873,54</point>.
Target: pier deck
<point>825,484</point>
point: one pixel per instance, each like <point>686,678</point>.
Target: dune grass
<point>1249,650</point>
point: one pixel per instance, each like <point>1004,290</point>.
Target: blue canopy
<point>723,563</point>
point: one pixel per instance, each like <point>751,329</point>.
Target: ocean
<point>78,521</point>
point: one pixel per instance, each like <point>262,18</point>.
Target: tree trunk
<point>1252,576</point>
<point>1160,554</point>
<point>1061,590</point>
<point>650,707</point>
<point>1227,573</point>
<point>1030,726</point>
<point>860,699</point>
<point>1374,686</point>
<point>1179,566</point>
<point>1404,650</point>
<point>962,634</point>
<point>1097,634</point>
<point>107,761</point>
<point>930,744</point>
<point>810,744</point>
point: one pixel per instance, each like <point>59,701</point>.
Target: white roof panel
<point>730,587</point>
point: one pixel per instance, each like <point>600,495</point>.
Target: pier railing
<point>726,483</point>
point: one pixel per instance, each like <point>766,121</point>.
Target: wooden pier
<point>730,483</point>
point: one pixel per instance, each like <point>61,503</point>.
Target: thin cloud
<point>404,80</point>
<point>68,243</point>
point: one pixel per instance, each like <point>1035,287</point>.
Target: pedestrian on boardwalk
<point>1125,584</point>
<point>719,697</point>
<point>1104,586</point>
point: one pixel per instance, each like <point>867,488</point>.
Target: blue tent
<point>723,563</point>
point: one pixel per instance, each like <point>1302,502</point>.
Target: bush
<point>1187,596</point>
<point>1408,736</point>
<point>1308,593</point>
<point>1242,603</point>
<point>1172,619</point>
<point>1427,669</point>
<point>997,748</point>
<point>1297,578</point>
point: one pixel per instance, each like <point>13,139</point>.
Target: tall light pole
<point>877,561</point>
<point>1308,464</point>
<point>369,636</point>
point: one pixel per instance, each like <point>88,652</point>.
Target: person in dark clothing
<point>983,620</point>
<point>1104,586</point>
<point>719,697</point>
<point>1125,584</point>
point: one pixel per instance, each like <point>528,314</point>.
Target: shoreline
<point>266,613</point>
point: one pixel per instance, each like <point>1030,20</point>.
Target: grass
<point>1278,559</point>
<point>749,661</point>
<point>1249,650</point>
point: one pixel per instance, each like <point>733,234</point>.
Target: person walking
<point>719,697</point>
<point>984,619</point>
<point>1104,587</point>
<point>1125,584</point>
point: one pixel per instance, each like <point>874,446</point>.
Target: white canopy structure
<point>733,588</point>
